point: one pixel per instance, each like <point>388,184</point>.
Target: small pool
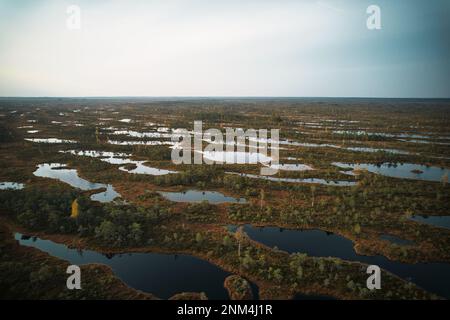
<point>199,196</point>
<point>161,274</point>
<point>59,172</point>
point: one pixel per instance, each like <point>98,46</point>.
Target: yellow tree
<point>240,236</point>
<point>75,209</point>
<point>357,228</point>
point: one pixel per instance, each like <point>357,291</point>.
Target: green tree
<point>227,241</point>
<point>299,272</point>
<point>136,233</point>
<point>106,232</point>
<point>313,194</point>
<point>199,238</point>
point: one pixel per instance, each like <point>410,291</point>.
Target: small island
<point>238,288</point>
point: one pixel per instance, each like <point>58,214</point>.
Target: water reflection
<point>434,277</point>
<point>298,180</point>
<point>199,196</point>
<point>236,157</point>
<point>438,221</point>
<point>49,140</point>
<point>70,176</point>
<point>11,186</point>
<point>138,167</point>
<point>400,170</point>
<point>161,274</point>
<point>373,150</point>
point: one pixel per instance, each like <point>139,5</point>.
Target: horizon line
<point>221,97</point>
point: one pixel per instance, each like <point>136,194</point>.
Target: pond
<point>139,143</point>
<point>373,150</point>
<point>298,180</point>
<point>236,157</point>
<point>49,140</point>
<point>382,134</point>
<point>161,274</point>
<point>396,240</point>
<point>438,221</point>
<point>121,159</point>
<point>354,149</point>
<point>137,134</point>
<point>291,167</point>
<point>70,176</point>
<point>400,170</point>
<point>142,169</point>
<point>11,186</point>
<point>199,196</point>
<point>434,277</point>
<point>425,141</point>
<point>313,145</point>
<point>98,154</point>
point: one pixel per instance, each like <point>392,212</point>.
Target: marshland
<point>91,182</point>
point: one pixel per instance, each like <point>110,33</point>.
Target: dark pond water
<point>434,277</point>
<point>438,221</point>
<point>372,150</point>
<point>396,240</point>
<point>401,170</point>
<point>161,274</point>
<point>199,196</point>
<point>335,183</point>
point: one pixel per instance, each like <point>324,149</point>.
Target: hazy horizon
<point>228,49</point>
<point>162,98</point>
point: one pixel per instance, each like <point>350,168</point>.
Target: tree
<point>262,199</point>
<point>227,241</point>
<point>247,261</point>
<point>75,209</point>
<point>106,232</point>
<point>357,228</point>
<point>240,236</point>
<point>299,272</point>
<point>321,265</point>
<point>445,179</point>
<point>53,220</point>
<point>277,275</point>
<point>43,275</point>
<point>136,233</point>
<point>313,192</point>
<point>97,135</point>
<point>199,238</point>
<point>351,285</point>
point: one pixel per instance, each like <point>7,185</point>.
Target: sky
<point>290,48</point>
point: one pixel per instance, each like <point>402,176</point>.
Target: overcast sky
<point>225,48</point>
